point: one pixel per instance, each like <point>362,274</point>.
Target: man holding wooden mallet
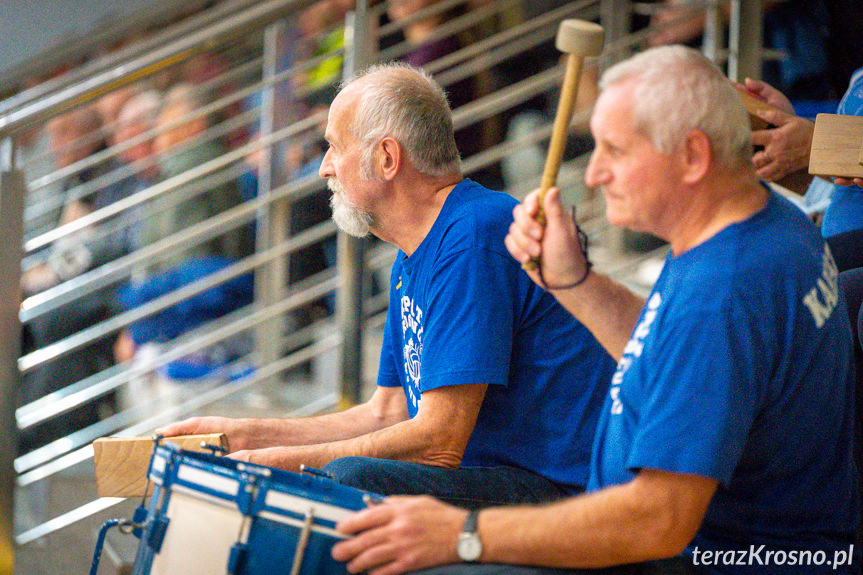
<point>725,441</point>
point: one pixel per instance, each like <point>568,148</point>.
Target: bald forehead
<point>615,100</point>
<point>342,110</point>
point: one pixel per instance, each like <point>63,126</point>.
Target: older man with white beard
<point>488,391</point>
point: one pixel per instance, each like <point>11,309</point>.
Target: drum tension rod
<point>302,542</point>
<point>315,472</point>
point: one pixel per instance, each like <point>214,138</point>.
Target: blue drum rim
<point>229,480</point>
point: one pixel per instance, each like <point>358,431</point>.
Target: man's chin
<point>355,233</point>
<point>351,226</point>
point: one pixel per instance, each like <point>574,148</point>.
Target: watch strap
<point>471,522</point>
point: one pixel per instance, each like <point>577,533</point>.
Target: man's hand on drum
<point>399,535</point>
<point>555,244</point>
<point>238,435</point>
<point>287,458</point>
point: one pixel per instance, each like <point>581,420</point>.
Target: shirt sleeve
<point>389,365</point>
<point>469,322</point>
<point>387,368</point>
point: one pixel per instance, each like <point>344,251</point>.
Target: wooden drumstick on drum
<point>578,39</point>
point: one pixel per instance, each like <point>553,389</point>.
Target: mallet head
<point>580,38</point>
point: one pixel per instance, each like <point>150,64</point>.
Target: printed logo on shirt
<point>412,335</point>
<point>823,297</point>
<point>632,351</point>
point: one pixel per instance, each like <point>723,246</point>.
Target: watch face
<point>469,547</point>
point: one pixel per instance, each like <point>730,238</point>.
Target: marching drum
<point>211,515</point>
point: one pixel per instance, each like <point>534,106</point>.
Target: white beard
<point>350,219</point>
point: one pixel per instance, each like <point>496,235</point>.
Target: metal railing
<point>274,353</point>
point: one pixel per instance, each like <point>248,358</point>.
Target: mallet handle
<point>557,144</point>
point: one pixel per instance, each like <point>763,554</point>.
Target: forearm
<point>608,527</point>
<point>607,309</point>
<point>405,441</point>
<point>321,429</point>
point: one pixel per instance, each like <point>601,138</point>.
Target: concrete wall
<point>31,26</point>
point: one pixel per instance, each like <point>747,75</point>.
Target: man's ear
<point>389,158</point>
<point>697,156</point>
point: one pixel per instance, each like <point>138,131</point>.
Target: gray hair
<point>678,89</point>
<point>405,103</point>
<point>142,108</point>
<point>189,95</point>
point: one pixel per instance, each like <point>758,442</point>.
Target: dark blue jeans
<point>673,566</point>
<point>468,487</point>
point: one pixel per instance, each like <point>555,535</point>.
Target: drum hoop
<point>210,483</point>
<point>316,527</point>
<point>203,496</point>
<point>277,500</point>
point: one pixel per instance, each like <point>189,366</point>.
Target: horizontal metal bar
<point>67,519</point>
<point>426,12</point>
<point>113,58</point>
<point>101,383</point>
<point>120,268</point>
<point>324,403</point>
<point>502,150</point>
<point>124,171</point>
<point>88,282</point>
<point>504,99</point>
<point>168,185</point>
<point>196,188</point>
<point>140,67</point>
<point>489,59</point>
<point>544,22</point>
<point>459,24</point>
<point>95,332</point>
<point>41,463</point>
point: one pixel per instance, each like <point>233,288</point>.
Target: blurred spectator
<point>182,143</point>
<point>136,118</point>
<point>425,48</point>
<point>109,107</point>
<point>74,137</point>
<point>797,28</point>
<point>525,164</point>
<point>207,71</point>
<point>323,37</point>
<point>42,200</point>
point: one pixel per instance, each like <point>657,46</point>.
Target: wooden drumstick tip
<point>580,38</point>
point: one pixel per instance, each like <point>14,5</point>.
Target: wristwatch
<point>469,546</point>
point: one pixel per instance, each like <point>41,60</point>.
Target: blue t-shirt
<point>845,211</point>
<point>740,369</point>
<point>462,312</point>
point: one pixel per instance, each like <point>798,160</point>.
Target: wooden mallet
<point>578,39</point>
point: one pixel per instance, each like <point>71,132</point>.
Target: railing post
<point>616,19</point>
<point>713,31</point>
<point>358,55</point>
<point>273,221</point>
<point>745,39</point>
<point>11,214</point>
